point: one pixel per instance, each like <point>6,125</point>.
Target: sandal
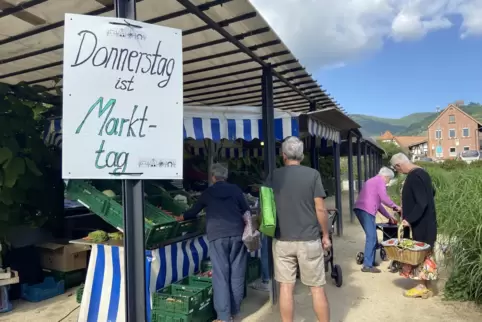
<point>415,292</point>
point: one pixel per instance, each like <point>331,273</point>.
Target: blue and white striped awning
<point>235,122</point>
<point>233,153</point>
<point>214,122</point>
<point>324,131</point>
<point>53,133</point>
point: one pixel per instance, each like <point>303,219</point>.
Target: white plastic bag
<point>251,237</point>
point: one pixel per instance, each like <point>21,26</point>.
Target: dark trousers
<point>229,258</point>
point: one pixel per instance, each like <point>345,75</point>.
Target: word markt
<point>114,126</point>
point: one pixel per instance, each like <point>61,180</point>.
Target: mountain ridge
<point>414,124</point>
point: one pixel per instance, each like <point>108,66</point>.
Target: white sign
<point>122,100</point>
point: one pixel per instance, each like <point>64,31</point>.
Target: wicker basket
<point>406,256</point>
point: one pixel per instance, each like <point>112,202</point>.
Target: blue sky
<point>409,77</point>
<point>387,58</point>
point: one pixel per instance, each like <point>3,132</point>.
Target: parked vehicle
<point>421,158</point>
<point>469,156</point>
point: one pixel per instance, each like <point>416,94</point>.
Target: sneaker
<point>259,285</point>
<point>370,270</point>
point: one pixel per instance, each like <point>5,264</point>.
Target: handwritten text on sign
<point>122,99</point>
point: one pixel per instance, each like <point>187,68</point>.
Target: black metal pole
<point>351,188</point>
<point>374,162</point>
<point>365,160</point>
<point>358,163</point>
<point>338,205</point>
<point>269,140</point>
<point>133,204</point>
<point>370,162</point>
<point>313,148</point>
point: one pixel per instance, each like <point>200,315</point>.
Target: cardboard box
<point>63,257</point>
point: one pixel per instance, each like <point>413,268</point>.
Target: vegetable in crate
<point>109,193</point>
<point>116,236</point>
<point>98,236</point>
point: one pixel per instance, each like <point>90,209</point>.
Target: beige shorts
<point>308,255</point>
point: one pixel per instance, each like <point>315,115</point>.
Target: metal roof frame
<point>225,67</point>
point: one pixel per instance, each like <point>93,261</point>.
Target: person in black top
<point>225,206</point>
<point>418,212</point>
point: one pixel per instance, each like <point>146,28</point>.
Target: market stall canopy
<point>226,44</point>
<point>215,123</point>
<point>232,123</point>
<point>327,123</point>
<point>233,153</point>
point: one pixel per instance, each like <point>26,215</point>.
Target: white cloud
<point>327,33</point>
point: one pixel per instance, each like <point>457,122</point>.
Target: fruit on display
<point>407,243</point>
<point>98,236</point>
<point>109,193</point>
<point>206,274</point>
<point>116,235</point>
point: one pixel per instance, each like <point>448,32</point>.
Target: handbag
<point>251,237</point>
<point>268,211</point>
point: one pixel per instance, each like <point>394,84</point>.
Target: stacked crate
<point>189,300</point>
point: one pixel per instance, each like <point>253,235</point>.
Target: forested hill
<point>410,125</point>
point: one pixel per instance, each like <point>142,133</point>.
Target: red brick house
<point>452,132</point>
<point>402,141</point>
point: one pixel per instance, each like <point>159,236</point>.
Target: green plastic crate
<point>198,282</point>
<point>71,279</point>
<point>253,272</point>
<point>79,293</point>
<point>175,299</point>
<point>159,226</point>
<point>191,226</point>
<point>166,201</point>
<point>204,314</point>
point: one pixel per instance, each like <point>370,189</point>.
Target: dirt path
<point>367,297</point>
<point>363,297</point>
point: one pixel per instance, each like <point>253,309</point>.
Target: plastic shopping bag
<point>251,237</point>
<point>268,211</point>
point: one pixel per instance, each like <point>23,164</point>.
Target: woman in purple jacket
<point>370,200</point>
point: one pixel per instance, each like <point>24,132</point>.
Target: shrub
<point>459,218</point>
<point>458,202</point>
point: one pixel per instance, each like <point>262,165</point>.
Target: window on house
<point>452,152</point>
<point>438,134</point>
<point>465,132</point>
<point>451,118</point>
<point>451,133</point>
<point>466,148</point>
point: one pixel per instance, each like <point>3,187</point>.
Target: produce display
<point>206,274</point>
<point>100,236</point>
<point>109,193</point>
<point>406,244</point>
<point>97,236</point>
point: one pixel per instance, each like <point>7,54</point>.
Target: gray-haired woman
<point>225,206</point>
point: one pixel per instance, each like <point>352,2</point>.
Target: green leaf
<point>32,167</point>
<point>4,89</point>
<point>5,155</point>
<point>11,144</point>
<point>17,165</point>
<point>4,212</point>
<point>6,197</point>
<point>9,179</point>
<point>13,170</point>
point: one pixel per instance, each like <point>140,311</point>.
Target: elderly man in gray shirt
<point>300,210</point>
